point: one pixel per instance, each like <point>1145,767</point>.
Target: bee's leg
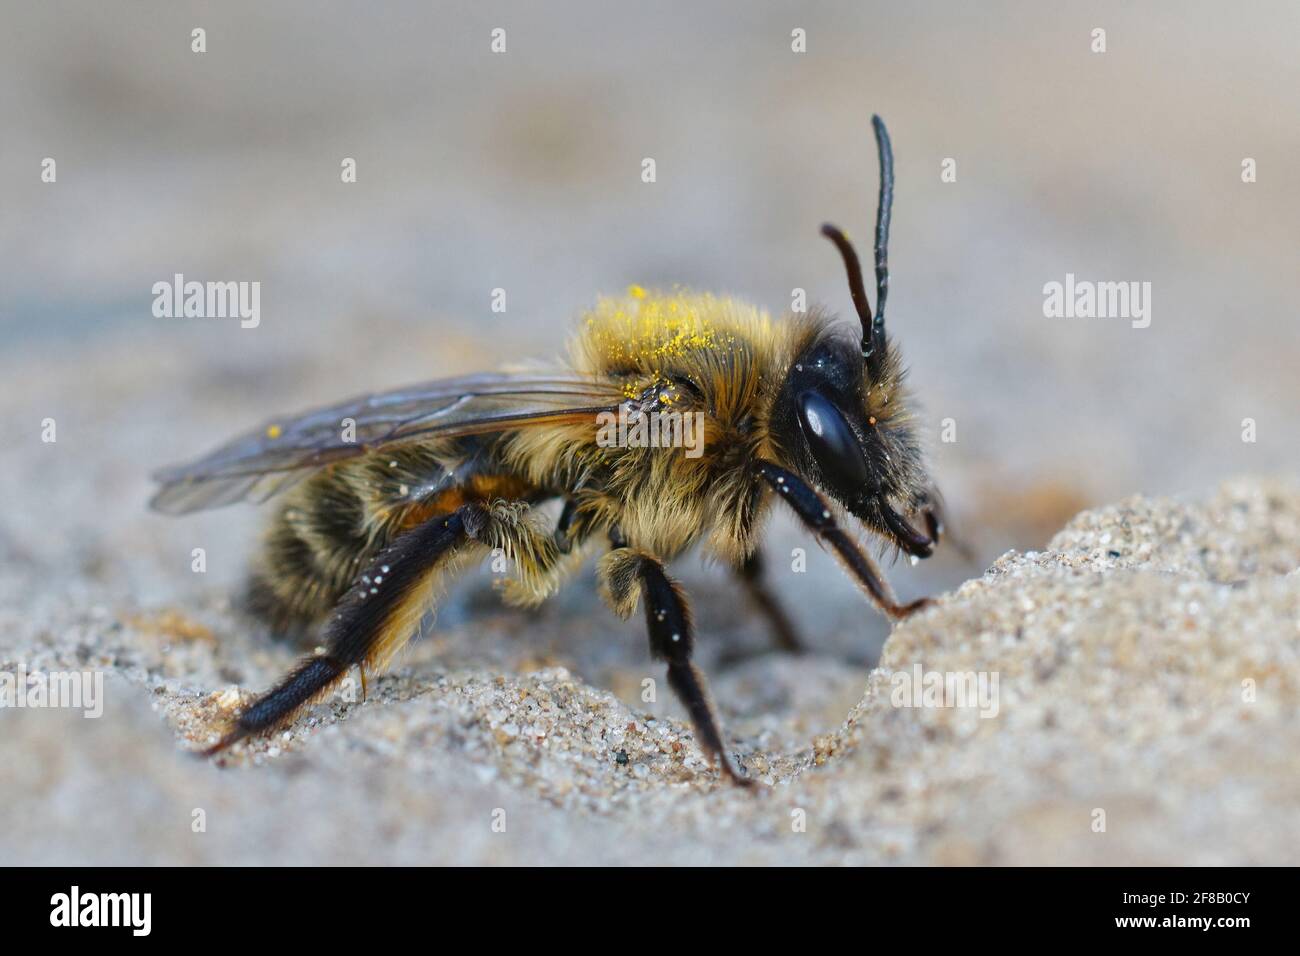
<point>751,575</point>
<point>817,516</point>
<point>564,526</point>
<point>629,574</point>
<point>373,619</point>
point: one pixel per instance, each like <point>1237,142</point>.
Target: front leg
<point>626,574</point>
<point>816,514</point>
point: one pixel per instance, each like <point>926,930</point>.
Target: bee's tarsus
<point>907,610</point>
<point>227,741</point>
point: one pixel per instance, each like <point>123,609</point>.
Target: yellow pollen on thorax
<point>645,329</point>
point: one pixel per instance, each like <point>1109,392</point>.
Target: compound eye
<point>834,445</point>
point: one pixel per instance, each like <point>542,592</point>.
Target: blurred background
<point>522,170</point>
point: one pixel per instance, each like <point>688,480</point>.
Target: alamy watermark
<point>1084,299</point>
<point>967,689</point>
<point>179,299</point>
<point>67,690</point>
<point>75,908</point>
<point>632,428</point>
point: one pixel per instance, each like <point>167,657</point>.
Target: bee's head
<point>848,432</point>
<point>842,416</point>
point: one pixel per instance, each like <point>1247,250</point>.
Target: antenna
<point>884,206</point>
<point>873,329</point>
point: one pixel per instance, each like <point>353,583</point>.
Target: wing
<point>281,452</point>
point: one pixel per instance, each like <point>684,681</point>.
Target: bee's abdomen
<point>332,525</point>
<point>315,545</point>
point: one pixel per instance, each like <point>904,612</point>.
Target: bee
<point>388,495</point>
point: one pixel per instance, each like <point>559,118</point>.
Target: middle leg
<point>756,586</point>
<point>628,573</point>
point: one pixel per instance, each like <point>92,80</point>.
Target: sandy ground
<point>1143,686</point>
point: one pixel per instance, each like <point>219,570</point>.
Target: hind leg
<point>383,608</point>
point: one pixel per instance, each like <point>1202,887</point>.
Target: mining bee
<point>388,494</point>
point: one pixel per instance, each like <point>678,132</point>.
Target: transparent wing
<point>282,452</point>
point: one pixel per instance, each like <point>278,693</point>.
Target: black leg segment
<point>367,616</point>
<point>751,576</point>
<point>813,510</point>
<point>672,639</point>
